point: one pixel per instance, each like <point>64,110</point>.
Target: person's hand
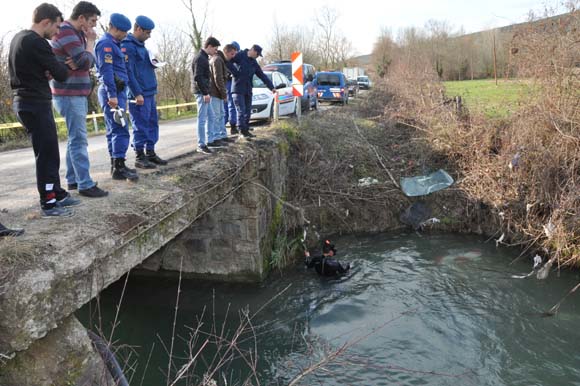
<point>90,34</point>
<point>113,102</point>
<point>139,100</point>
<point>206,98</point>
<point>71,63</point>
<point>306,253</point>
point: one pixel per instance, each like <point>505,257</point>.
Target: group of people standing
<point>49,66</point>
<point>222,81</point>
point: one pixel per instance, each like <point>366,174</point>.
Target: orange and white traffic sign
<point>297,78</point>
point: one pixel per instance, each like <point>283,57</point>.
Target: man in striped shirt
<point>76,40</point>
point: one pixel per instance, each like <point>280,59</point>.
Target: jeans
<point>37,118</point>
<point>205,119</point>
<point>229,106</point>
<point>218,128</point>
<point>74,110</point>
<point>145,124</point>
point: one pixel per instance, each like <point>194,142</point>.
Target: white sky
<point>250,21</point>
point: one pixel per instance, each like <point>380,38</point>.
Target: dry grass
<point>526,166</point>
<point>16,255</point>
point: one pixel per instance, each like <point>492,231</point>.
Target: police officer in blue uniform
<point>243,67</point>
<point>113,80</point>
<point>142,89</point>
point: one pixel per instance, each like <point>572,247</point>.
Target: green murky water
<point>431,310</point>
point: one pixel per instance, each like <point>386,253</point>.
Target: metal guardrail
<point>94,116</point>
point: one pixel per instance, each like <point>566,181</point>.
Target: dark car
<point>310,95</point>
<point>352,87</point>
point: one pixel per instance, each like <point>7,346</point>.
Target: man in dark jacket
<point>31,64</point>
<point>243,68</point>
<point>325,265</point>
<point>201,89</point>
<point>142,88</point>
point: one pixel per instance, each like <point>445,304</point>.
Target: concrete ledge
<point>78,257</point>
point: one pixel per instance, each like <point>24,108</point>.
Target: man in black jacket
<point>32,64</point>
<point>325,265</point>
<point>201,88</point>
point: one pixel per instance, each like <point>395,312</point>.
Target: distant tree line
<point>454,55</point>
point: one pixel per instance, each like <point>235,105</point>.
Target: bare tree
<point>175,77</point>
<point>196,24</point>
<point>325,20</point>
<point>383,52</point>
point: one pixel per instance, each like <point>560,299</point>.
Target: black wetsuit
<point>326,266</point>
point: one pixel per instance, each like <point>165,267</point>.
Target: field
<point>484,96</point>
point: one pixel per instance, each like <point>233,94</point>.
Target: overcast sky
<point>249,21</point>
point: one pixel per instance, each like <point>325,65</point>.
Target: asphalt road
<point>18,172</point>
<point>18,176</point>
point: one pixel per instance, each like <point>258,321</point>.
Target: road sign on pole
<point>297,81</point>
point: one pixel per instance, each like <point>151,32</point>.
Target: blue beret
<point>121,22</point>
<point>144,22</point>
<point>236,45</point>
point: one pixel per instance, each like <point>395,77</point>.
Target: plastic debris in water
<point>500,240</point>
<point>537,262</point>
<point>367,181</point>
<point>549,229</point>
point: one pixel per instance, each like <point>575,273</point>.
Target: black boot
<point>112,164</point>
<point>121,172</point>
<point>154,158</point>
<point>142,161</point>
<point>234,129</point>
<point>246,133</point>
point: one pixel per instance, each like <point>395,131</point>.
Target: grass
<point>484,96</point>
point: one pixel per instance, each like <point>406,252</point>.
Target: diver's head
<point>328,248</point>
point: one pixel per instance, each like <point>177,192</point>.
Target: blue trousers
<point>145,124</point>
<point>205,120</point>
<point>229,106</point>
<point>74,110</point>
<point>243,103</point>
<point>117,135</point>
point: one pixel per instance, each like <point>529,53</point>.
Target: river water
<point>415,310</point>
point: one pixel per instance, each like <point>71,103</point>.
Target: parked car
<point>352,87</point>
<point>363,82</point>
<point>263,99</point>
<point>332,87</point>
<point>310,95</point>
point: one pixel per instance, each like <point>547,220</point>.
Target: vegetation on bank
<point>524,166</point>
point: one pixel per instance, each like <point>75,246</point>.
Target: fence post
<point>95,125</point>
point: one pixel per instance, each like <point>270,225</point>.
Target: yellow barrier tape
<point>15,125</point>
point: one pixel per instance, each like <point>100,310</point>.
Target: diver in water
<point>325,265</point>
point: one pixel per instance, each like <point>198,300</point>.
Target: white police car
<point>263,100</point>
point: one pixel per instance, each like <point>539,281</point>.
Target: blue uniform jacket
<point>111,62</point>
<point>244,72</point>
<point>142,79</point>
